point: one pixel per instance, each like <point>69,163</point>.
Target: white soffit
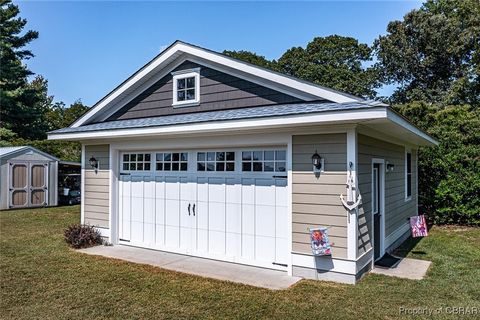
<point>274,80</point>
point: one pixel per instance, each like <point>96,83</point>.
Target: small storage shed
<point>28,178</point>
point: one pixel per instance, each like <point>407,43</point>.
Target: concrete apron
<point>253,276</point>
<point>407,268</point>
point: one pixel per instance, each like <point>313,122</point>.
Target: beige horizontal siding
<point>99,152</point>
<point>96,191</point>
<point>315,200</point>
<point>397,210</point>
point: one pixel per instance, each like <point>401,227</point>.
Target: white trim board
<point>180,48</point>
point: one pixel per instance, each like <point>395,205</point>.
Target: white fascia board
<point>179,48</point>
<point>214,126</point>
<point>395,118</point>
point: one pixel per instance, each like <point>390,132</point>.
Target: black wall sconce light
<point>390,166</point>
<point>317,162</point>
<point>93,163</point>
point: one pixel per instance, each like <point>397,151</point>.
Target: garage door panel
<point>233,242</point>
<point>248,191</point>
<point>233,190</point>
<point>239,217</point>
<point>281,228</point>
<point>172,188</point>
<point>248,246</point>
<point>216,242</point>
<point>265,248</point>
<point>265,192</point>
<point>160,187</point>
<point>216,190</point>
<point>216,215</point>
<point>233,218</point>
<point>248,219</point>
<point>172,236</point>
<point>265,221</point>
<point>172,213</point>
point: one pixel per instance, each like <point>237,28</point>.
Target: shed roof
<point>7,151</point>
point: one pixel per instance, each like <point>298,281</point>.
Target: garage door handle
<point>189,209</point>
<point>194,209</point>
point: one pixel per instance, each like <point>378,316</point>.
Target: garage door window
<point>216,161</point>
<point>264,160</point>
<point>136,161</point>
<point>176,161</point>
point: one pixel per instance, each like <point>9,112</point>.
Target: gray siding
<point>315,201</point>
<point>218,91</point>
<point>397,210</point>
<point>96,192</point>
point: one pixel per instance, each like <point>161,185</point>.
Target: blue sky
<point>85,49</point>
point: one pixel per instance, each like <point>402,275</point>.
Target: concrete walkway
<point>407,268</point>
<point>258,277</point>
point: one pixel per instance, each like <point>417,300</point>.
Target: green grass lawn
<point>42,278</point>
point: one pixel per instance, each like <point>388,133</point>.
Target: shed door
<point>28,184</point>
<point>19,185</point>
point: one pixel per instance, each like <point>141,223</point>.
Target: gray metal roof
<point>7,150</point>
<point>222,115</point>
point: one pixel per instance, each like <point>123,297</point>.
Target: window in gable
<point>186,88</point>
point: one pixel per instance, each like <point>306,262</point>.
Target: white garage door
<point>225,204</point>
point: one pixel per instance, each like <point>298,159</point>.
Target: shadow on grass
<point>408,247</point>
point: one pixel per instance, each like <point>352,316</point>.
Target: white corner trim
<point>352,217</point>
<point>243,124</point>
<point>82,184</point>
<point>407,197</point>
<point>180,48</point>
<point>289,203</point>
<point>104,232</point>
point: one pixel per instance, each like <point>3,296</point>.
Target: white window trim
<point>186,74</point>
<point>408,197</point>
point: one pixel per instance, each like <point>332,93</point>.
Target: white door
<point>238,216</point>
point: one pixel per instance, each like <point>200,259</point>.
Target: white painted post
<point>352,218</point>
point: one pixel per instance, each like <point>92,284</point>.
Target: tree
<point>433,53</point>
<point>335,62</point>
<point>449,179</point>
<point>21,110</point>
<point>252,58</point>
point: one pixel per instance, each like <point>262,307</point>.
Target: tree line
<point>431,57</point>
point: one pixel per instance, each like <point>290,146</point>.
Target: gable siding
<point>315,201</point>
<point>218,91</point>
<point>96,191</point>
<point>397,210</point>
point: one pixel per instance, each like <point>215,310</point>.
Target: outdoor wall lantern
<point>93,163</point>
<point>317,162</point>
<point>390,166</point>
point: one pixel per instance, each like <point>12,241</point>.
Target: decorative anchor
<point>351,203</point>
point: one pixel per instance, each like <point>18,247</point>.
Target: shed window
<point>408,175</point>
<point>186,88</point>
